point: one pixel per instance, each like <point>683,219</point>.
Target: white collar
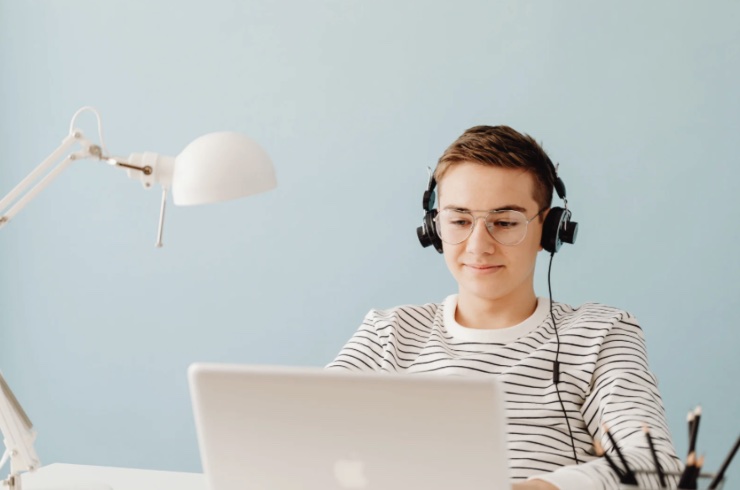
<point>493,335</point>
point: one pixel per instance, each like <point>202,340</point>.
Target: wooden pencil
<point>600,452</point>
<point>629,475</point>
<point>658,467</point>
<point>725,464</point>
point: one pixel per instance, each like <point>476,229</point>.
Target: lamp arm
<point>22,189</point>
<point>55,155</point>
<point>5,458</point>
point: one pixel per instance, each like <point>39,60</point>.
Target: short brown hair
<point>501,146</point>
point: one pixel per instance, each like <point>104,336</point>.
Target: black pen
<point>658,468</point>
<point>725,464</point>
<point>629,475</point>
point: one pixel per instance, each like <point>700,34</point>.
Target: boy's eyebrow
<point>507,207</point>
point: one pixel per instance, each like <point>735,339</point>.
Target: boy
<point>495,191</point>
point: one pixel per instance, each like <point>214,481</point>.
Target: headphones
<point>556,230</point>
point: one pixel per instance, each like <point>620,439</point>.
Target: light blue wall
<point>353,100</point>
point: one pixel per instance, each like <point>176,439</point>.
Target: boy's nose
<point>480,240</point>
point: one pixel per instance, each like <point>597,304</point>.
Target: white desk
<point>81,477</point>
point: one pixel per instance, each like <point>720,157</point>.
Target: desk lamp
<point>215,167</point>
<point>18,436</point>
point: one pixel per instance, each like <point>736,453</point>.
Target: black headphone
<point>556,230</point>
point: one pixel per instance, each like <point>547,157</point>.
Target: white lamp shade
<point>221,166</point>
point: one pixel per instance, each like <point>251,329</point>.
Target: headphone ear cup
<point>430,224</point>
<point>427,232</point>
<point>551,229</point>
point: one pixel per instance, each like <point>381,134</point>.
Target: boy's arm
<point>624,397</point>
<point>364,351</point>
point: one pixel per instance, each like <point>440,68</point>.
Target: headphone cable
<point>556,364</point>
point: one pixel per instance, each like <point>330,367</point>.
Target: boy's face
<point>483,268</point>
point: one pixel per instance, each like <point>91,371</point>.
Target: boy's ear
<point>542,218</point>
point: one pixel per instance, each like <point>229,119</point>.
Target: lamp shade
<point>219,167</point>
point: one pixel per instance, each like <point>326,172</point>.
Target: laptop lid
<point>282,428</point>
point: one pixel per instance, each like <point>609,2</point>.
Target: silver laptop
<point>279,428</point>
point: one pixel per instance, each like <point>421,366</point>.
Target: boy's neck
<point>483,313</point>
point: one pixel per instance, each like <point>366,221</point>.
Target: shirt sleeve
<point>623,396</point>
<point>364,351</point>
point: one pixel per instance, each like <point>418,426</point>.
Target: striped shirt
<point>604,379</point>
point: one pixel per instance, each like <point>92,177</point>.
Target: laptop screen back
<point>279,428</point>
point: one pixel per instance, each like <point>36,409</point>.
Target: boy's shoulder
<point>425,308</point>
<point>592,314</point>
<point>404,314</point>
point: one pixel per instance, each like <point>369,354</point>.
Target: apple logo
<point>350,473</point>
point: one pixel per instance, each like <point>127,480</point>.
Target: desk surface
<point>82,477</point>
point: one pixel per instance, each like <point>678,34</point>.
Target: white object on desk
<point>82,477</point>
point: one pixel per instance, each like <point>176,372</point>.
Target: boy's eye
<point>460,222</point>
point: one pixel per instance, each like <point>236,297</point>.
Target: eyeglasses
<point>508,227</point>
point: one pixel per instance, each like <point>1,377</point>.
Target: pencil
<point>694,430</point>
<point>697,469</point>
<point>658,468</point>
<point>688,471</point>
<point>629,475</point>
<point>725,464</point>
<point>600,452</point>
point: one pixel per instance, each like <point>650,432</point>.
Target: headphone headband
<point>430,197</point>
<point>555,179</point>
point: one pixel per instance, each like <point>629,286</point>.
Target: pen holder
<point>672,478</point>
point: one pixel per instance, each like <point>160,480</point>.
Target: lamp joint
<point>147,170</point>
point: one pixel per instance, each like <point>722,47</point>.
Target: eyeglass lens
<point>506,227</point>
